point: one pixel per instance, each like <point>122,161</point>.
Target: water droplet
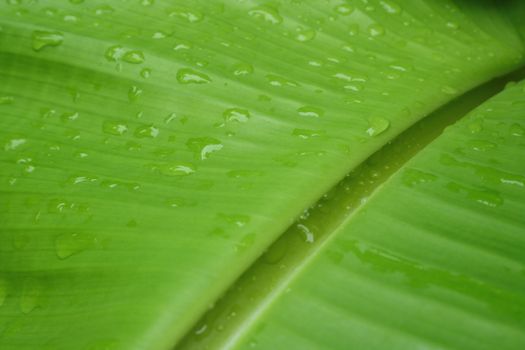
<point>517,130</point>
<point>452,25</point>
<point>377,125</point>
<point>344,9</point>
<point>204,146</point>
<point>488,198</point>
<point>449,90</point>
<point>242,69</point>
<point>481,145</point>
<point>14,144</point>
<point>306,234</point>
<point>42,39</point>
<point>266,13</point>
<point>304,35</point>
<point>114,53</point>
<point>117,128</point>
<point>180,169</point>
<point>69,244</point>
<point>412,177</point>
<point>239,115</point>
<point>69,116</point>
<point>475,127</point>
<point>390,7</point>
<point>238,220</point>
<point>307,133</point>
<point>134,93</point>
<point>375,30</point>
<point>30,297</point>
<point>6,100</point>
<point>146,131</point>
<point>145,73</point>
<point>133,56</point>
<point>310,111</point>
<point>189,14</point>
<point>279,81</point>
<point>190,76</point>
<point>351,76</point>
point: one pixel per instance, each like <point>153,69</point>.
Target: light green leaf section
<point>434,260</point>
<point>150,151</point>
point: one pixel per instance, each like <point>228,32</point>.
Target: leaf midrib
<point>221,328</point>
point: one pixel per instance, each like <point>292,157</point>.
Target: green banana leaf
<point>153,150</point>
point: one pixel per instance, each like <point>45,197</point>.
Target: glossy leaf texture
<point>151,151</point>
<point>434,260</point>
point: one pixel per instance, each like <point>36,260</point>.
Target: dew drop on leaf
<point>68,244</point>
<point>204,146</point>
<point>390,7</point>
<point>190,76</point>
<point>145,73</point>
<point>239,115</point>
<point>42,39</point>
<point>376,30</point>
<point>304,35</point>
<point>344,9</point>
<point>30,297</point>
<point>377,125</point>
<point>242,69</point>
<point>146,131</point>
<point>310,111</point>
<point>180,169</point>
<point>133,56</point>
<point>134,93</point>
<point>116,128</point>
<point>266,13</point>
<point>307,133</point>
<point>517,130</point>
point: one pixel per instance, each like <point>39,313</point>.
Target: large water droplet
<point>390,7</point>
<point>375,30</point>
<point>14,144</point>
<point>68,244</point>
<point>236,115</point>
<point>377,125</point>
<point>42,39</point>
<point>204,146</point>
<point>190,76</point>
<point>307,133</point>
<point>344,9</point>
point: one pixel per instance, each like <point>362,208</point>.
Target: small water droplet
<point>412,177</point>
<point>304,35</point>
<point>42,39</point>
<point>517,130</point>
<point>204,146</point>
<point>134,93</point>
<point>279,81</point>
<point>266,13</point>
<point>449,90</point>
<point>375,30</point>
<point>69,244</point>
<point>238,220</point>
<point>133,56</point>
<point>377,125</point>
<point>117,128</point>
<point>6,100</point>
<point>179,169</point>
<point>190,76</point>
<point>307,133</point>
<point>306,234</point>
<point>189,14</point>
<point>30,298</point>
<point>239,115</point>
<point>344,9</point>
<point>14,144</point>
<point>310,111</point>
<point>481,145</point>
<point>69,116</point>
<point>145,73</point>
<point>114,53</point>
<point>146,131</point>
<point>242,69</point>
<point>390,7</point>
